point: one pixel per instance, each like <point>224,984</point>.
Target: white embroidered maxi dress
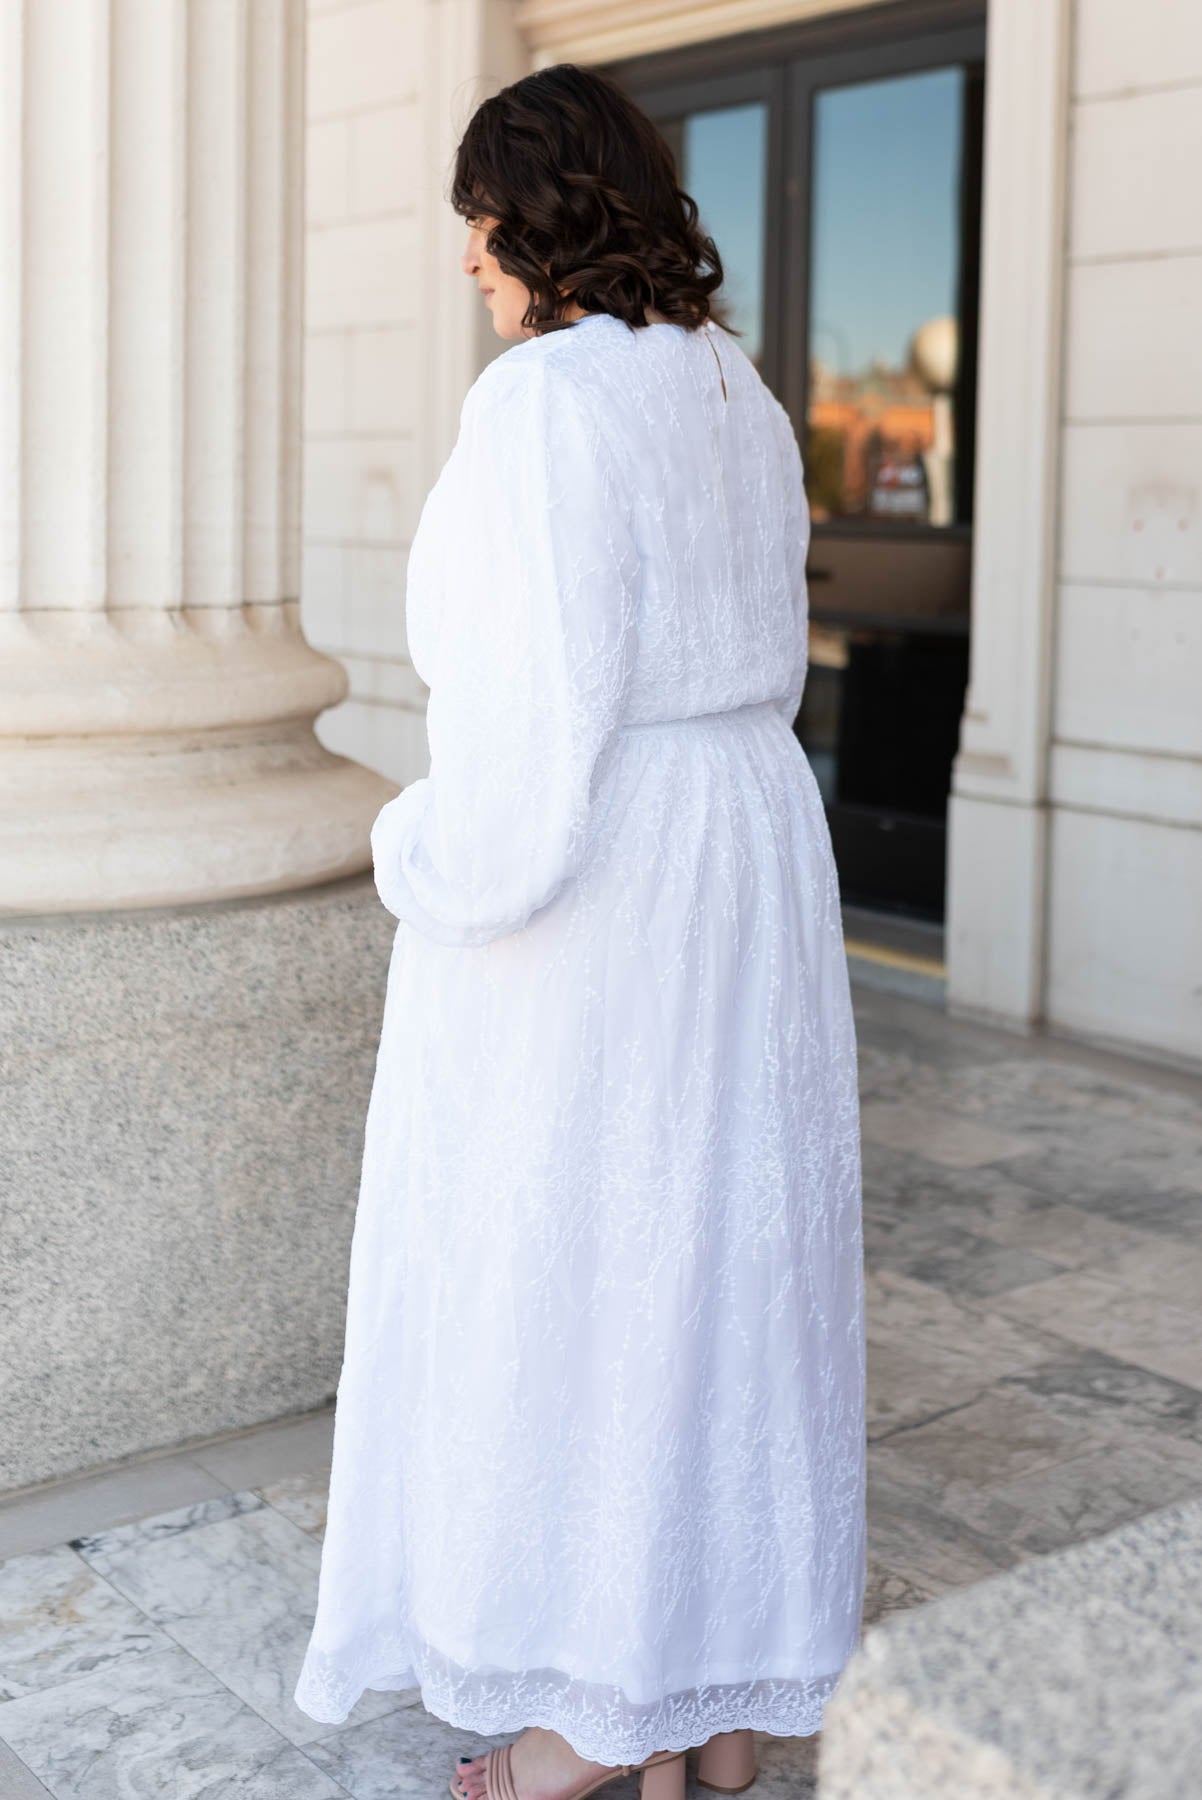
<point>598,1457</point>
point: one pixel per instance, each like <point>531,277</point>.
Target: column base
<point>88,825</point>
<point>995,887</point>
<point>152,758</point>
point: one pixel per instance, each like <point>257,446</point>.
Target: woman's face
<point>504,295</point>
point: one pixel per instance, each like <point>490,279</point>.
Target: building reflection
<point>881,443</point>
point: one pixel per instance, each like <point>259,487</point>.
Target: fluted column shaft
<point>156,694</point>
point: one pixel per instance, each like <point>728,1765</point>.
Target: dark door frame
<point>741,87</point>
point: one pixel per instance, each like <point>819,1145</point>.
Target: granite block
<point>1073,1676</point>
<point>184,1098</point>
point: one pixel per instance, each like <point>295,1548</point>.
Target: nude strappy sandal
<point>662,1777</point>
<point>727,1762</point>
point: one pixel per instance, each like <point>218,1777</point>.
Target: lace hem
<point>599,1723</point>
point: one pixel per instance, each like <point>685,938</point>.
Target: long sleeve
<point>525,635</point>
<point>796,528</point>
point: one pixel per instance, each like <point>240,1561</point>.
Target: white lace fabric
<point>598,1457</point>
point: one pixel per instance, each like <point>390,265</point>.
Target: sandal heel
<point>663,1780</point>
<point>727,1762</point>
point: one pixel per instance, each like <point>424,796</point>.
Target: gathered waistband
<point>735,715</point>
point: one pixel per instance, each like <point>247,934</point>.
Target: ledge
<point>1076,1675</point>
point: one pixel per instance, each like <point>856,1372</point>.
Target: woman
<point>598,1454</point>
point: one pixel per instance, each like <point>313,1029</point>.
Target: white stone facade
<point>363,342</point>
<point>392,340</point>
<point>1124,954</point>
<point>1075,874</point>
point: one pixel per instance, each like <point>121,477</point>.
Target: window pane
<point>884,337</point>
<point>724,168</point>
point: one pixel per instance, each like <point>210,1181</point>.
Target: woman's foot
<point>544,1767</point>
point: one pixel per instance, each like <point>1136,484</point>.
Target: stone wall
<point>363,333</point>
<point>184,1099</point>
<point>395,332</point>
<point>1075,1676</point>
<point>1125,777</point>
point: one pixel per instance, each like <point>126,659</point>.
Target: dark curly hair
<point>588,206</point>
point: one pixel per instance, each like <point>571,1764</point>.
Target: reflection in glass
<point>723,167</point>
<point>884,339</point>
<point>880,716</point>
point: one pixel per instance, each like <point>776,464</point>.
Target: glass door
<point>840,179</point>
<point>884,352</point>
<point>726,132</point>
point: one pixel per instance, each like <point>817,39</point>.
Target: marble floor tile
<point>787,1768</point>
<point>1091,1494</point>
<point>1136,1327</point>
<point>925,1036</point>
<point>1148,1121</point>
<point>1152,1151</point>
<point>59,1620</point>
<point>1131,1473</point>
<point>238,1593</point>
<point>1123,1471</point>
<point>1112,1396</point>
<point>1081,1175</point>
<point>903,1487</point>
<point>95,1546</point>
<point>1025,1220</point>
<point>972,1337</point>
<point>17,1782</point>
<point>908,1385</point>
<point>1042,1096</point>
<point>298,1447</point>
<point>1048,1087</point>
<point>911,1533</point>
<point>884,1072</point>
<point>887,1592</point>
<point>960,1262</point>
<point>1171,1271</point>
<point>896,1231</point>
<point>939,1136</point>
<point>409,1755</point>
<point>40,1518</point>
<point>301,1498</point>
<point>1175,1213</point>
<point>995,1439</point>
<point>162,1725</point>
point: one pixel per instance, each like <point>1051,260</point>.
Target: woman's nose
<point>469,262</point>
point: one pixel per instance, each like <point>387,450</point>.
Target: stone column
<point>157,697</point>
<point>998,815</point>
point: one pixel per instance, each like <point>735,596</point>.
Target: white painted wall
<point>1124,949</point>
